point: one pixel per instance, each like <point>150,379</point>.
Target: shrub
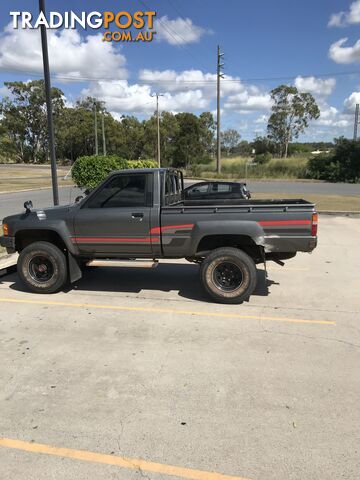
<point>342,165</point>
<point>263,158</point>
<point>88,172</point>
<point>196,170</point>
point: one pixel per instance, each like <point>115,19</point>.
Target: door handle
<point>139,216</point>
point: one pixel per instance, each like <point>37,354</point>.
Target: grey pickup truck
<point>140,216</point>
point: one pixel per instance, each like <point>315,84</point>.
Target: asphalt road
<point>11,203</point>
<point>135,364</point>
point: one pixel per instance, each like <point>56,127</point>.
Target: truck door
<point>116,218</point>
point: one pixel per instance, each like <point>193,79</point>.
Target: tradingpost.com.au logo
<point>123,22</point>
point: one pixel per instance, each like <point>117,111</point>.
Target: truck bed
<point>268,205</point>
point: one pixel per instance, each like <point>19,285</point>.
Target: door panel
<point>116,218</point>
<point>113,230</point>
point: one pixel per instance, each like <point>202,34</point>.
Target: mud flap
<point>75,272</point>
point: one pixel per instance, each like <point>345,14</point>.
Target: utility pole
<point>96,130</point>
<point>356,121</point>
<point>157,95</point>
<point>103,134</point>
<point>50,121</point>
<point>218,124</point>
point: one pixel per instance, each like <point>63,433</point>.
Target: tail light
<point>5,229</point>
<point>314,224</point>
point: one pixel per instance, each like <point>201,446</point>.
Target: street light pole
<point>218,108</point>
<point>103,134</point>
<point>96,131</point>
<point>49,110</point>
<point>157,95</point>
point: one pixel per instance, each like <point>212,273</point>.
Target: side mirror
<point>78,199</point>
<point>28,206</point>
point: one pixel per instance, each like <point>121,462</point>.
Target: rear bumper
<point>8,243</point>
<point>290,244</point>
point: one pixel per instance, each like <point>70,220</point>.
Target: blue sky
<point>296,42</point>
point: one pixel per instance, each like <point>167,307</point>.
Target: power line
<point>171,33</point>
<point>242,81</point>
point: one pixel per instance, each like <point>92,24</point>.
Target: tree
<point>230,138</point>
<point>262,145</point>
<point>207,133</point>
<point>290,115</point>
<point>188,147</point>
<point>168,131</point>
<point>25,120</point>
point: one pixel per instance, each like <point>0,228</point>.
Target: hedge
<point>88,172</point>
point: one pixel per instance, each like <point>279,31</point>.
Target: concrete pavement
<point>138,364</point>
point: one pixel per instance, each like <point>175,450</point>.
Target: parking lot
<point>135,374</point>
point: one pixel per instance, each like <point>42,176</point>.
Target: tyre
<point>228,275</point>
<point>42,267</point>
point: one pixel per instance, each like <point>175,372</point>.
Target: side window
<point>222,187</point>
<point>200,188</point>
<point>121,191</point>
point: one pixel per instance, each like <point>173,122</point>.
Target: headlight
<point>6,229</point>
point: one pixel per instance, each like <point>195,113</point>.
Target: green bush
<point>342,165</point>
<point>263,158</point>
<point>88,172</point>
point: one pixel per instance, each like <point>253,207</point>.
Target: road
<point>13,202</point>
<point>133,364</point>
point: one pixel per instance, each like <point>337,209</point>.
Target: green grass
<point>279,168</point>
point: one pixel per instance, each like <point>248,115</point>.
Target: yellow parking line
<point>123,462</point>
<point>288,269</point>
<point>167,310</point>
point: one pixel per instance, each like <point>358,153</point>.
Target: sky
<point>314,45</point>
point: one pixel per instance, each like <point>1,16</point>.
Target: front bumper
<point>8,243</point>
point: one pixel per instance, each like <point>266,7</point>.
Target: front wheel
<point>228,275</point>
<point>42,267</point>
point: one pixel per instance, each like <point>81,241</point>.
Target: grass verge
<point>22,177</point>
<point>280,168</point>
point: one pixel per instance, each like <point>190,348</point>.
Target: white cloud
<point>4,91</point>
<point>350,102</point>
<point>341,54</point>
<point>262,119</point>
<point>246,102</point>
<point>341,19</point>
<point>180,31</point>
<point>70,54</point>
<point>328,115</point>
<point>316,86</point>
<point>173,81</point>
<point>122,97</point>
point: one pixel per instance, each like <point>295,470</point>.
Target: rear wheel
<point>42,267</point>
<point>228,275</point>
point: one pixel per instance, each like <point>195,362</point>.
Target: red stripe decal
<point>114,240</point>
<point>278,223</point>
<point>158,230</point>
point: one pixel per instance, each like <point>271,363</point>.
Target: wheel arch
<point>243,242</point>
<point>26,237</point>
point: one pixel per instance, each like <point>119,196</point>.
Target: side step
<point>123,263</point>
